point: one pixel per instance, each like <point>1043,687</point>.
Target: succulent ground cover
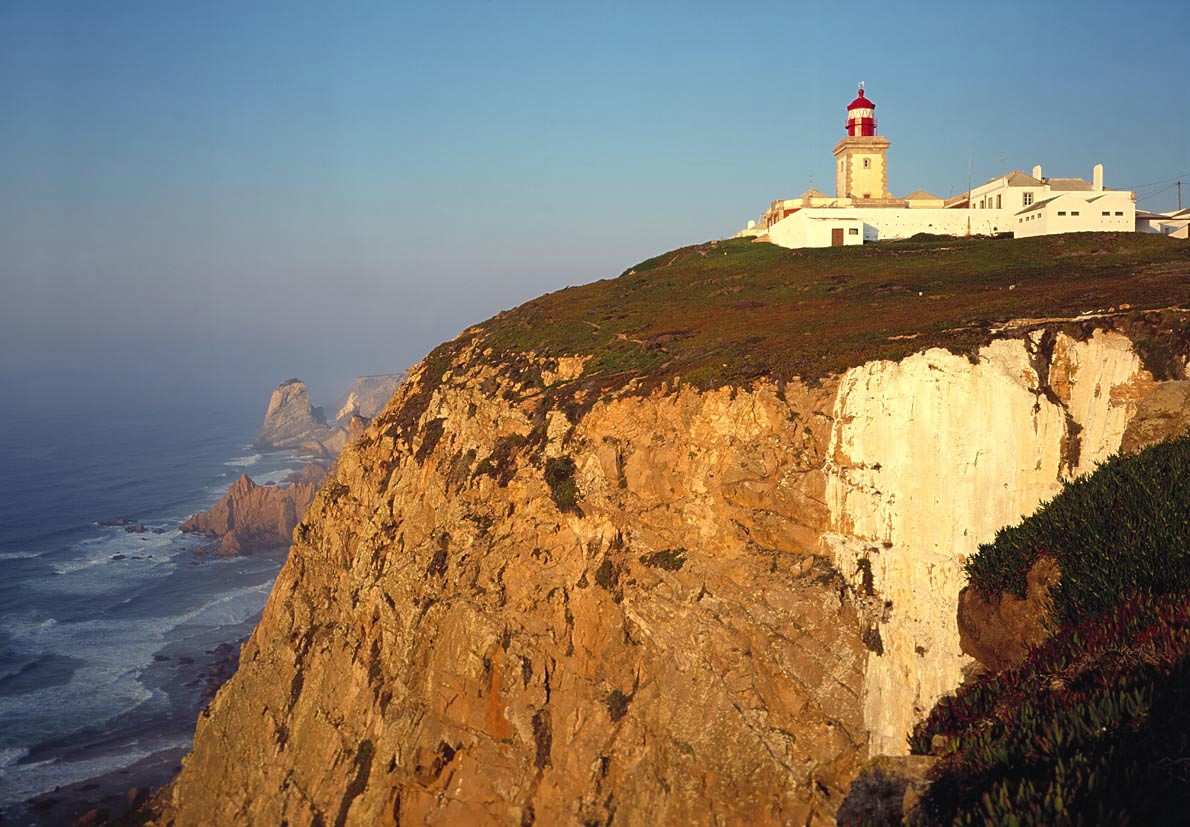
<point>1094,726</point>
<point>1122,530</point>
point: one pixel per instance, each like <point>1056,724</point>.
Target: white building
<point>818,228</point>
<point>1029,205</point>
<point>805,228</point>
<point>1077,212</point>
<point>1175,224</point>
<point>862,209</point>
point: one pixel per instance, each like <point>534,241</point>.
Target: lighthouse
<point>861,158</point>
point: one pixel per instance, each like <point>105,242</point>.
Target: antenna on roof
<point>861,84</point>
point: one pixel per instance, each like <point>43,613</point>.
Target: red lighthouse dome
<point>861,117</point>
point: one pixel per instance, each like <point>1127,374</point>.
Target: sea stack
<point>291,420</point>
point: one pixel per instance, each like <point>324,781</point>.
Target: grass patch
<point>729,312</point>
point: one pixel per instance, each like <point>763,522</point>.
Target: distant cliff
<point>368,396</point>
<point>681,547</point>
<point>291,421</point>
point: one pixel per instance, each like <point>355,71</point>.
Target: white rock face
<point>928,458</point>
<point>1100,382</point>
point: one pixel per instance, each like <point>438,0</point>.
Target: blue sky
<point>203,199</point>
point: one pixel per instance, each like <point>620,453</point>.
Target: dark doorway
<point>837,237</point>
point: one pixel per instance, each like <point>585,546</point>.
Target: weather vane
<point>861,84</point>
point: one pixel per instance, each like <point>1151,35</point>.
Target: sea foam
<point>244,462</point>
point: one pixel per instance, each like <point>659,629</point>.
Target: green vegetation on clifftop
<point>732,311</point>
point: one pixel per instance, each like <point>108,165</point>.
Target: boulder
<point>1163,413</point>
<point>1000,631</point>
<point>356,426</point>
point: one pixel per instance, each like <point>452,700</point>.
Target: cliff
<point>368,395</point>
<point>681,547</point>
<point>291,421</point>
<point>251,517</point>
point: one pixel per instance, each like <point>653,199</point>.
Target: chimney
<point>1097,178</point>
<point>1037,172</point>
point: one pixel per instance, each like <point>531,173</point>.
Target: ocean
<point>111,642</point>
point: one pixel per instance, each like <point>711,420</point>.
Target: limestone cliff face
<point>929,457</point>
<point>669,606</point>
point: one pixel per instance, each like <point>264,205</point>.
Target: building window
<point>1119,213</point>
<point>867,163</point>
<point>867,195</point>
<point>997,202</point>
<point>1028,196</point>
<point>1061,212</point>
<point>1105,212</point>
<point>852,231</point>
<point>1074,212</point>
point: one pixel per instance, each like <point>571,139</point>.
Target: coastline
<point>113,640</point>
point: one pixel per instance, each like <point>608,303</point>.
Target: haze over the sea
<point>199,200</point>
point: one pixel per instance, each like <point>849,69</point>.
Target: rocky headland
<point>250,518</point>
<point>686,546</point>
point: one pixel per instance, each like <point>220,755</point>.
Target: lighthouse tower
<point>861,158</point>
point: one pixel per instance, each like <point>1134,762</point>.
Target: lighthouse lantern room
<point>861,116</point>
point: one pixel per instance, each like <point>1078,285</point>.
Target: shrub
<point>670,559</point>
<point>1092,727</point>
<point>559,476</point>
<point>617,704</point>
